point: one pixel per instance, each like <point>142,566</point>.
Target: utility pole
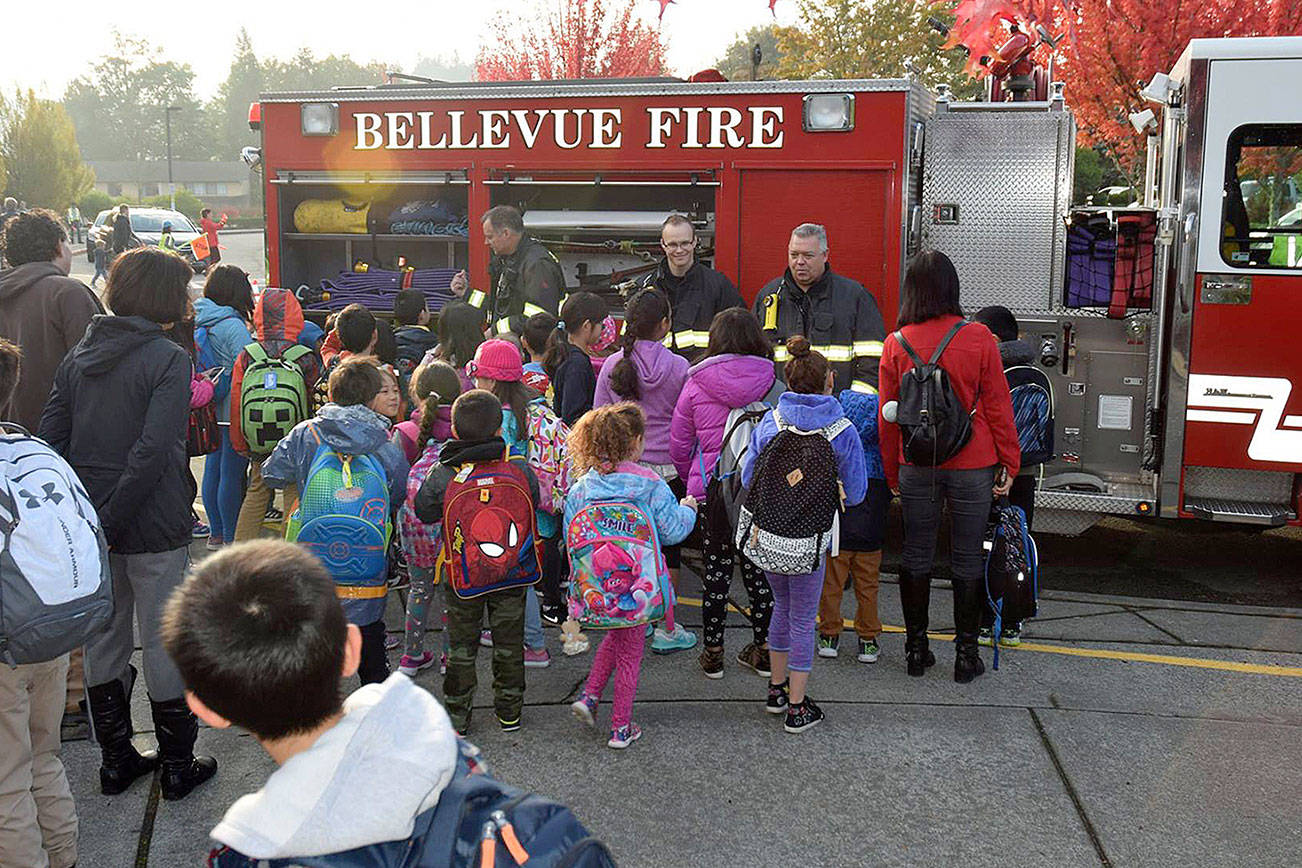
<point>171,187</point>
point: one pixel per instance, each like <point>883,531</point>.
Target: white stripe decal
<point>1293,422</point>
<point>1269,395</point>
<point>1229,417</point>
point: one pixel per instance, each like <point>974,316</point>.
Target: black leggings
<point>720,554</point>
<point>374,665</point>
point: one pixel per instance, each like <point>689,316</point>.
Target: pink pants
<point>620,653</point>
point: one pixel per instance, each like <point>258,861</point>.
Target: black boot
<point>968,599</point>
<point>915,598</point>
<point>110,715</point>
<point>177,729</point>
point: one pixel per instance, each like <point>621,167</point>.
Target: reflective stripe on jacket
<point>527,282</point>
<point>694,299</point>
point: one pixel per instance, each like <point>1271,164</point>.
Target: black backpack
<point>789,511</point>
<point>934,425</point>
<point>1012,569</point>
<point>1032,396</point>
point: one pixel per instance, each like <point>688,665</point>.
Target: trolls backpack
<point>273,396</point>
<point>547,434</point>
<point>616,566</point>
<point>723,491</point>
<point>489,539</point>
<point>1032,395</point>
<point>343,519</point>
<point>934,426</point>
<point>787,515</point>
<point>1012,568</point>
<point>55,587</point>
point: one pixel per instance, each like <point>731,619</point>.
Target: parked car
<point>147,225</point>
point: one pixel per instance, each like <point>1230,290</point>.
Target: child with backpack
<point>497,368</point>
<point>1032,396</point>
<point>533,339</point>
<point>804,464</point>
<point>618,516</point>
<point>411,333</point>
<point>485,500</point>
<point>647,372</point>
<point>863,529</point>
<point>720,404</point>
<point>434,387</point>
<point>271,392</point>
<point>350,479</point>
<point>568,358</point>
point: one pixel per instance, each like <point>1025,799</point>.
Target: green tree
<point>39,145</point>
<point>306,71</point>
<point>442,68</point>
<point>230,108</point>
<point>94,201</point>
<point>120,108</point>
<point>186,202</point>
<point>736,61</point>
<point>881,39</point>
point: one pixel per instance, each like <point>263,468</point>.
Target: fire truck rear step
<point>1239,511</point>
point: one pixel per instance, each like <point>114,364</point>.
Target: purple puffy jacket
<point>715,387</point>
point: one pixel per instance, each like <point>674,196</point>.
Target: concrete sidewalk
<point>1056,759</point>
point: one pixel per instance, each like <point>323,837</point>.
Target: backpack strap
<point>294,353</point>
<point>257,353</point>
<point>908,348</point>
<point>944,343</point>
<point>835,429</point>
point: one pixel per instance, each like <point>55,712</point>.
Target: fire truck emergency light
<point>829,112</point>
<point>319,118</point>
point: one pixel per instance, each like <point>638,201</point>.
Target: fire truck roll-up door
<point>996,189</point>
<point>1242,444</point>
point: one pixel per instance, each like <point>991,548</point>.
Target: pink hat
<point>497,360</point>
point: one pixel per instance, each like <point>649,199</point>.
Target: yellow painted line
<point>1104,654</point>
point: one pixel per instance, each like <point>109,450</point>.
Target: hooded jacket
<point>644,488</point>
<point>413,341</point>
<point>46,313</point>
<point>351,430</point>
<point>1017,352</point>
<point>694,299</point>
<point>277,324</point>
<point>318,803</point>
<point>227,336</point>
<point>715,387</point>
<point>808,413</point>
<point>429,500</point>
<point>118,414</point>
<point>661,375</point>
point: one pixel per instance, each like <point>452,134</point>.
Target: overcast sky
<point>45,47</point>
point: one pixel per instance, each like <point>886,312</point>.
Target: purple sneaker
<point>409,666</point>
<point>486,638</point>
<point>585,708</point>
<point>622,736</point>
<point>537,658</point>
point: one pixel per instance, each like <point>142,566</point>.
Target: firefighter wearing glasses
<point>696,292</point>
<point>524,276</point>
<point>837,315</point>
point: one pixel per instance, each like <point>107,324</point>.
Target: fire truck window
<point>1261,218</point>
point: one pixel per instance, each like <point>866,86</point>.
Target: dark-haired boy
<point>352,334</point>
<point>477,439</point>
<point>260,639</point>
<point>348,426</point>
<point>411,319</point>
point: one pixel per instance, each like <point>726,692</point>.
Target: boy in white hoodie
<point>271,602</point>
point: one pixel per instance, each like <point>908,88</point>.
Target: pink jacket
<point>715,387</point>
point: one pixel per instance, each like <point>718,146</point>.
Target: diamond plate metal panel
<point>1009,173</point>
<point>1227,483</point>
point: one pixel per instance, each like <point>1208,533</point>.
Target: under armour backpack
<point>723,491</point>
<point>547,433</point>
<point>934,425</point>
<point>1012,568</point>
<point>617,570</point>
<point>55,587</point>
<point>1032,395</point>
<point>489,538</point>
<point>789,512</point>
<point>343,519</point>
<point>273,396</point>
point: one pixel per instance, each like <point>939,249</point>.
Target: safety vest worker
<point>165,240</point>
<point>696,292</point>
<point>837,315</point>
<point>524,276</point>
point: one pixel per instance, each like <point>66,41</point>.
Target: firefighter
<point>696,292</point>
<point>524,276</point>
<point>837,315</point>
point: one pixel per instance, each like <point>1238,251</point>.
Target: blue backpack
<point>1012,569</point>
<point>343,518</point>
<point>1032,395</point>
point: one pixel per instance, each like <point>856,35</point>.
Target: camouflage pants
<point>506,622</point>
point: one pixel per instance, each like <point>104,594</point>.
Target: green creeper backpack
<point>273,397</point>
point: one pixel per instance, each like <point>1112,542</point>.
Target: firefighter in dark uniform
<point>837,315</point>
<point>524,276</point>
<point>696,292</point>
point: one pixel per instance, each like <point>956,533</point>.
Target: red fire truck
<point>1173,392</point>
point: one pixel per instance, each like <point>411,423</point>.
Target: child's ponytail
<point>645,311</point>
<point>605,436</point>
<point>433,385</point>
<point>579,309</point>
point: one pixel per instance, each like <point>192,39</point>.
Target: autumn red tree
<point>572,39</point>
<point>1113,47</point>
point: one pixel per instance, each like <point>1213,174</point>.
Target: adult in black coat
<point>118,414</point>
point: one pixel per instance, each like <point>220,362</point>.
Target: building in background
<point>220,184</point>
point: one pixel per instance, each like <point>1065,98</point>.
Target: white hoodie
<point>393,736</point>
